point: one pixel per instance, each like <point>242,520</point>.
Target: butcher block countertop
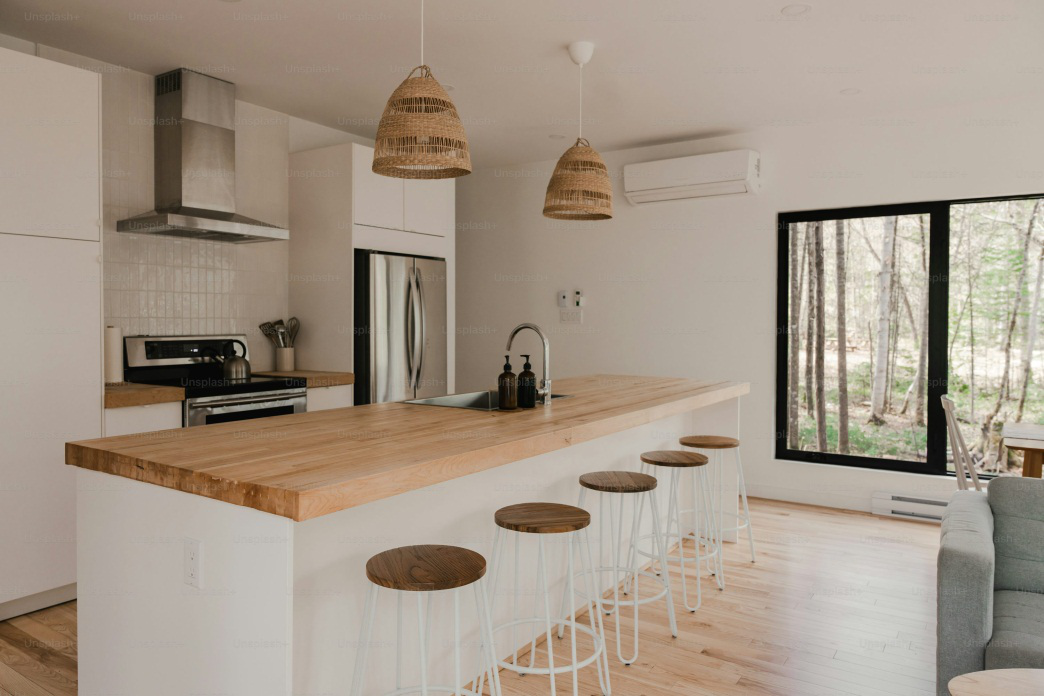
<point>307,465</point>
<point>127,394</point>
<point>316,378</point>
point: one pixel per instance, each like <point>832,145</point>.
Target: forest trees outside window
<point>883,310</point>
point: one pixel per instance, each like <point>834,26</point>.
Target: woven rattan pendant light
<point>580,188</point>
<point>420,135</point>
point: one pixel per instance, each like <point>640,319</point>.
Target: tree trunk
<point>821,436</point>
<point>971,353</point>
<point>1031,337</point>
<point>842,340</point>
<point>916,390</point>
<point>1005,386</point>
<point>797,276</point>
<point>894,327</point>
<point>810,319</point>
<point>898,286</point>
<point>884,303</point>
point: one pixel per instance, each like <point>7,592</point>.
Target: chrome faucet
<point>544,391</point>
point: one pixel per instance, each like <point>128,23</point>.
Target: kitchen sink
<point>476,401</point>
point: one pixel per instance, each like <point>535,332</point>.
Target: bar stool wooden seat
<point>705,535</point>
<point>618,482</point>
<point>674,458</point>
<point>423,571</point>
<point>543,520</point>
<point>710,442</point>
<point>715,444</point>
<point>616,488</point>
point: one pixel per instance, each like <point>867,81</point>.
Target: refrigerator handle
<point>423,348</point>
<point>410,325</point>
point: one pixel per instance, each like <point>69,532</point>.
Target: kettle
<point>234,366</point>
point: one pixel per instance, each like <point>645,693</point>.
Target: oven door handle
<point>245,402</point>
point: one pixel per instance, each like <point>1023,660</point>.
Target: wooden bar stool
<point>543,519</point>
<point>615,488</point>
<point>715,445</point>
<point>705,536</point>
<point>425,570</point>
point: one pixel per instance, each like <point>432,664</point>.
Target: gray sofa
<point>991,580</point>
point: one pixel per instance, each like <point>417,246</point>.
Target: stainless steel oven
<point>184,362</point>
<point>207,410</point>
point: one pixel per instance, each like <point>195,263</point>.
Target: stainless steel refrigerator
<point>400,327</point>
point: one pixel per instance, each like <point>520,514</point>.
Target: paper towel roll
<point>113,354</point>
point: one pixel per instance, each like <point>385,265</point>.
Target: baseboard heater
<point>910,507</point>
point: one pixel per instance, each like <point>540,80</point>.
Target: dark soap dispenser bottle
<point>527,385</point>
<point>507,387</point>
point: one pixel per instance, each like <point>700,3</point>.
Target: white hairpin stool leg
<point>456,641</point>
<point>571,588</point>
<point>482,605</point>
<point>661,549</point>
<point>746,508</point>
<point>674,515</point>
<point>594,613</point>
<point>497,561</point>
<point>398,641</point>
<point>365,635</point>
<point>568,596</point>
<point>713,528</point>
<point>422,650</point>
<point>545,591</point>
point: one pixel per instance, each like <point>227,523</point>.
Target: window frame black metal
<point>938,328</point>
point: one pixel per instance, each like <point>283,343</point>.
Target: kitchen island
<point>287,510</point>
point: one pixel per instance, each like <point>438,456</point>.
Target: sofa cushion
<point>1018,631</point>
<point>1018,533</point>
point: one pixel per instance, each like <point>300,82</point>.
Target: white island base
<point>281,601</point>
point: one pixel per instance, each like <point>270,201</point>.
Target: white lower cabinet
<point>142,419</point>
<point>324,398</point>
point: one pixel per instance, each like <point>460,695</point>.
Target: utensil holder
<point>284,359</point>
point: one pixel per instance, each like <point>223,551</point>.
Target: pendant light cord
<point>580,127</point>
<point>422,32</point>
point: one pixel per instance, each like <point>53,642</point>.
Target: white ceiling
<point>662,70</point>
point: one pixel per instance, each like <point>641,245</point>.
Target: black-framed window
<point>879,307</point>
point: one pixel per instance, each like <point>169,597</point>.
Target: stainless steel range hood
<point>195,141</point>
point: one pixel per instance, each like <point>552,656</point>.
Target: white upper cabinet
<point>425,206</point>
<point>377,200</point>
<point>50,142</point>
<point>430,206</point>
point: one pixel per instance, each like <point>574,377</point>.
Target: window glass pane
<point>996,369</point>
<point>857,336</point>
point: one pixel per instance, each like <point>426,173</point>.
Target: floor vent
<point>910,507</point>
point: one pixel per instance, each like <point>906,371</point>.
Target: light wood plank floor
<point>838,603</point>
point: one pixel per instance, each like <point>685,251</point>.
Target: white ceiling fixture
<point>851,91</point>
<point>420,135</point>
<point>580,188</point>
<point>795,10</point>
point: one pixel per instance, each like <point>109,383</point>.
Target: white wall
<point>306,135</point>
<point>688,288</point>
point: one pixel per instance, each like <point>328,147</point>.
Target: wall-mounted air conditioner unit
<point>698,176</point>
